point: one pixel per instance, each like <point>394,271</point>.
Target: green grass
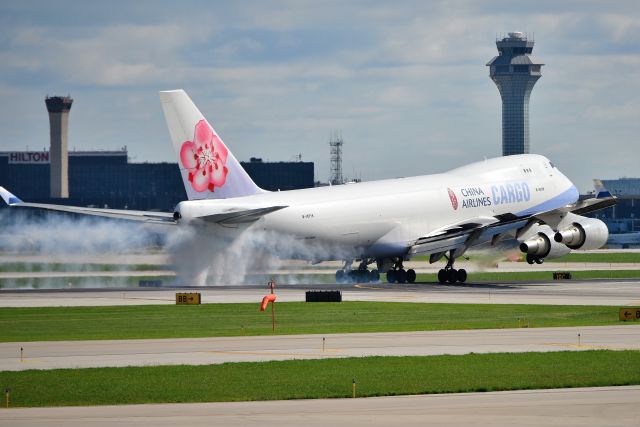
<point>80,282</point>
<point>211,320</point>
<point>329,378</point>
<point>19,267</point>
<point>605,257</point>
<point>484,277</point>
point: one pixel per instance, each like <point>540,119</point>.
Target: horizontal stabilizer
<point>240,216</point>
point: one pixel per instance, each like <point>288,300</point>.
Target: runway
<point>571,292</point>
<point>584,407</point>
<point>202,351</point>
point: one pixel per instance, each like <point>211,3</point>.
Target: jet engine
<point>583,233</point>
<point>542,245</point>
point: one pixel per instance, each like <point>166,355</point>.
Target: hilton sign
<point>28,157</point>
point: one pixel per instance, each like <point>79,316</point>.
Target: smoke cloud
<point>51,242</point>
<point>202,256</point>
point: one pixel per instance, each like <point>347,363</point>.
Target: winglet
<point>601,191</point>
<point>9,198</point>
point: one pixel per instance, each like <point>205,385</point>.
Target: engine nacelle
<point>542,245</point>
<point>584,233</point>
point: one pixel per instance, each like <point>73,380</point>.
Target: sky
<point>405,82</point>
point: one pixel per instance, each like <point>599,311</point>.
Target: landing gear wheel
<point>401,276</point>
<point>351,277</point>
<point>411,275</point>
<point>462,275</point>
<point>452,276</point>
<point>391,276</point>
<point>530,259</point>
<point>539,260</point>
<point>442,276</point>
<point>374,276</point>
<point>340,276</point>
<point>363,276</point>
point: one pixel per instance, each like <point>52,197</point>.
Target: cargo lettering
<point>510,193</point>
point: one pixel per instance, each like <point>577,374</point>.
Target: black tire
<point>530,259</point>
<point>391,276</point>
<point>539,260</point>
<point>340,276</point>
<point>363,276</point>
<point>442,276</point>
<point>462,275</point>
<point>374,276</point>
<point>352,276</point>
<point>411,276</point>
<point>401,276</point>
<point>452,276</point>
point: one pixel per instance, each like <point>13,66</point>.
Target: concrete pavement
<point>202,351</point>
<point>583,407</point>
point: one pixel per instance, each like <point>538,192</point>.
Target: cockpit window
<point>552,165</point>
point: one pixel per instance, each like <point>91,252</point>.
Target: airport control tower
<point>58,108</point>
<point>515,72</point>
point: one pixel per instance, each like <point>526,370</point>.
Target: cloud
<point>276,77</point>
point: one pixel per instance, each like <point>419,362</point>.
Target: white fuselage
<point>384,218</point>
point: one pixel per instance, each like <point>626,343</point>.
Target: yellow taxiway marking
<point>368,287</point>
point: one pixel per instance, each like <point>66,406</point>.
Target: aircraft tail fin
<point>600,190</point>
<point>9,198</point>
<point>209,170</point>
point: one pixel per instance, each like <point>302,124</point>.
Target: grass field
<point>74,267</point>
<point>604,257</point>
<point>213,320</point>
<point>489,277</point>
<point>329,378</point>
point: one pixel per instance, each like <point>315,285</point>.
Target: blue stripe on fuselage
<point>565,198</point>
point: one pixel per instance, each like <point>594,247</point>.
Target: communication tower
<point>335,142</point>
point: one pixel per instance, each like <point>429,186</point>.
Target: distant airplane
<point>380,223</point>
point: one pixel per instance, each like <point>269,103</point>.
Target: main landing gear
<point>532,259</point>
<point>361,275</point>
<point>450,274</point>
<point>400,275</point>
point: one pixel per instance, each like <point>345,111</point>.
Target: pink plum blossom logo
<point>453,198</point>
<point>205,158</point>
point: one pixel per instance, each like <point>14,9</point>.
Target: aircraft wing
<point>461,236</point>
<point>143,216</point>
<point>475,231</point>
<point>229,217</point>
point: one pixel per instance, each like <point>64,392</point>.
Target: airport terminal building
<point>107,178</point>
<point>624,217</point>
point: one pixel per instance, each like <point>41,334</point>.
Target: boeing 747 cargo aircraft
<point>379,225</point>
